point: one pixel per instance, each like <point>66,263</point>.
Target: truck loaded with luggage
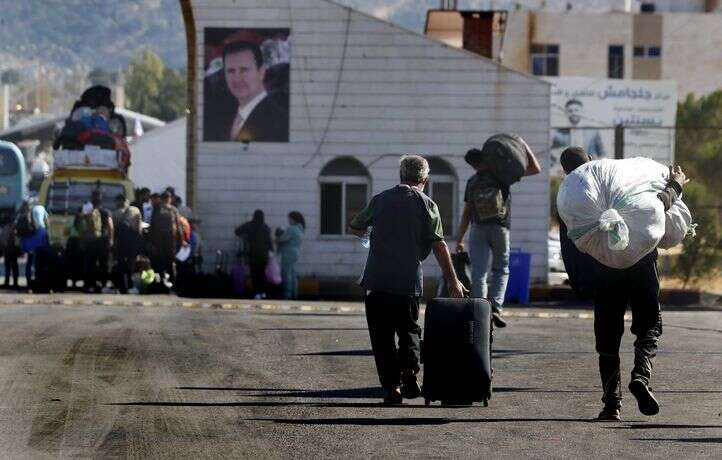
<point>90,155</point>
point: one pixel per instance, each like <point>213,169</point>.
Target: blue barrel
<point>519,276</point>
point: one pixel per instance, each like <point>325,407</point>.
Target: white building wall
<point>395,92</point>
<point>159,158</point>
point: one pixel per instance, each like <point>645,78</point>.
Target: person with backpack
<point>256,242</point>
<point>166,236</point>
<point>127,221</point>
<point>97,241</point>
<point>32,224</point>
<point>488,209</point>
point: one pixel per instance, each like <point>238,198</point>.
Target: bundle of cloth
<point>93,121</point>
<point>612,211</point>
<point>505,156</point>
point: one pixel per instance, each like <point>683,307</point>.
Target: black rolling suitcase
<point>456,351</point>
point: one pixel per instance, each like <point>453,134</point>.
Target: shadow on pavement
<point>314,329</point>
<point>377,392</point>
<point>339,405</point>
<point>352,393</point>
<point>307,314</point>
<point>338,353</point>
<point>372,421</point>
<point>658,426</point>
<point>690,440</point>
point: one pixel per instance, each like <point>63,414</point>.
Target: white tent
<point>159,158</point>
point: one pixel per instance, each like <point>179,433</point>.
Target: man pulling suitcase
<point>406,227</point>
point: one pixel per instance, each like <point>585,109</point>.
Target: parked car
<point>556,264</point>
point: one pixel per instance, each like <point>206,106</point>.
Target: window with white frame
<point>442,188</point>
<point>345,184</point>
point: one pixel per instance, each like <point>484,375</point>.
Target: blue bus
<point>13,181</point>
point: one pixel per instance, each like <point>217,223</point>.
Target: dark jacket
<point>268,122</point>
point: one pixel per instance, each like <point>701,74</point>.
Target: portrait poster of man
<point>585,111</point>
<point>246,85</point>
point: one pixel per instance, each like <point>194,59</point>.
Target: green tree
<point>701,254</point>
<point>10,77</point>
<point>143,81</point>
<point>172,95</point>
<point>699,140</point>
<point>154,89</point>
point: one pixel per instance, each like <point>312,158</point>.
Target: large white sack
<point>678,220</point>
<point>611,209</point>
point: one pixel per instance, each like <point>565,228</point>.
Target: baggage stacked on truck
<point>93,135</point>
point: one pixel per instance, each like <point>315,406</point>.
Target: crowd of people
<point>151,245</point>
<point>141,246</point>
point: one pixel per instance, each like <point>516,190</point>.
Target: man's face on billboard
<point>244,78</point>
<point>574,112</point>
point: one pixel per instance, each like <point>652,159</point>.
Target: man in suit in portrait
<point>252,114</point>
<point>586,138</point>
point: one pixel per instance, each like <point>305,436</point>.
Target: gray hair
<point>413,168</point>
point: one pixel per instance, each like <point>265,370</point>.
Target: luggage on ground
<point>456,351</point>
<point>612,212</point>
<point>238,277</point>
<point>50,274</point>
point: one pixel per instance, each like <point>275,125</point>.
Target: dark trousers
<point>389,315</point>
<point>123,270</point>
<point>29,263</point>
<point>11,268</point>
<point>258,276</point>
<point>615,290</point>
<point>96,264</point>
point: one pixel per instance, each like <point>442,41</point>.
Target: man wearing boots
<point>406,227</point>
<point>636,287</point>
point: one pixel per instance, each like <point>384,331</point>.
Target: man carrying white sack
<point>614,289</point>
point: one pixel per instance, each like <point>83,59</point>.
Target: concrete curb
<point>255,306</point>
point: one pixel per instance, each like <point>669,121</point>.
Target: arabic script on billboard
<point>584,112</point>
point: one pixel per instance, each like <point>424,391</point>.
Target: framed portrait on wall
<point>246,85</point>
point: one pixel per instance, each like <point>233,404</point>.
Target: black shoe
<point>648,404</point>
<point>410,388</point>
<point>393,396</point>
<point>498,320</point>
<point>609,414</point>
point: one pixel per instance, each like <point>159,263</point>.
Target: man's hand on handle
<point>457,290</point>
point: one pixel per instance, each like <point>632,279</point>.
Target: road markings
<point>265,307</point>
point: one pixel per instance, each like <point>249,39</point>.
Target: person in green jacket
<point>289,247</point>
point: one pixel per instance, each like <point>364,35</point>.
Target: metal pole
<point>619,142</point>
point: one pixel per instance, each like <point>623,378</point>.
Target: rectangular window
<point>355,201</point>
<point>331,198</point>
<point>616,61</point>
<point>340,202</point>
<point>654,52</point>
<point>638,51</point>
<point>443,196</point>
<point>545,60</point>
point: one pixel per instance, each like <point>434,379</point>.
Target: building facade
<point>361,92</point>
<point>660,40</point>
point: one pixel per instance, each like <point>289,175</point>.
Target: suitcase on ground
<point>50,275</point>
<point>456,351</point>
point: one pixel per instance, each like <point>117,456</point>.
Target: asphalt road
<point>165,382</point>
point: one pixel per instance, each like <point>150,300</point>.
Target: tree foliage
<point>701,254</point>
<point>699,151</point>
<point>154,89</point>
